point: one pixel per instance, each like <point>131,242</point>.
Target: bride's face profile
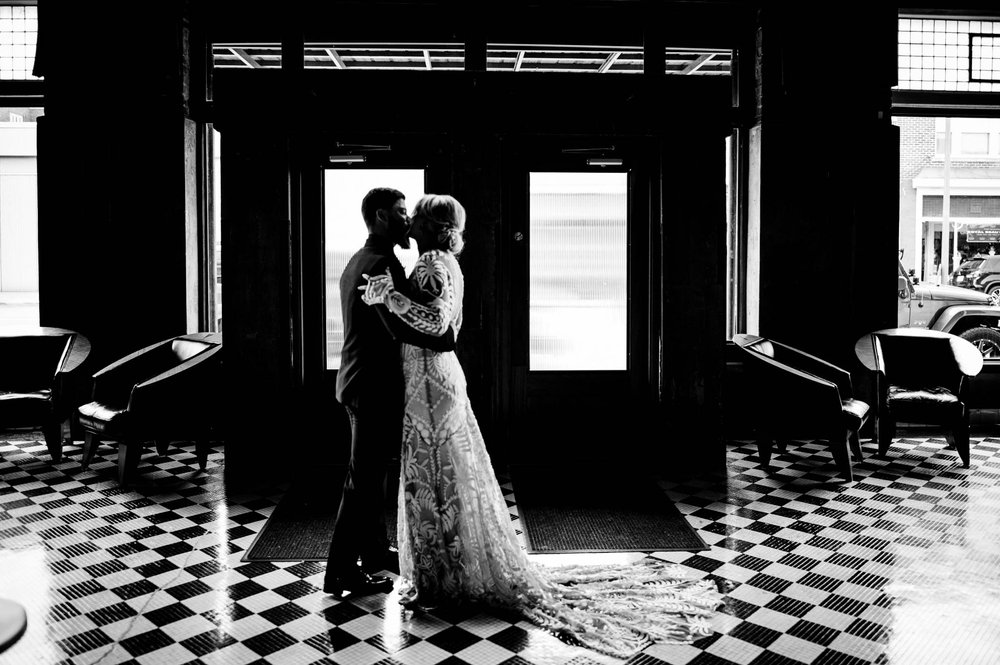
<point>418,229</point>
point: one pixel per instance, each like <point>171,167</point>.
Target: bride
<point>456,541</point>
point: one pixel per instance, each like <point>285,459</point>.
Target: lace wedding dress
<point>456,541</point>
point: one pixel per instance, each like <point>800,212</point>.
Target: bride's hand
<point>377,288</point>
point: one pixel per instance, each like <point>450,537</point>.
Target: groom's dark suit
<point>370,386</point>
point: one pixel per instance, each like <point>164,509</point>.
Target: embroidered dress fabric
<point>456,541</point>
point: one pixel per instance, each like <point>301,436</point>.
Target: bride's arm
<point>432,278</point>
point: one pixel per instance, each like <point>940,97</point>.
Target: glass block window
<point>985,57</point>
<point>948,54</point>
<point>18,36</point>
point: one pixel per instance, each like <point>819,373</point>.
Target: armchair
<point>921,377</point>
<point>163,392</point>
<point>35,382</point>
<point>790,394</point>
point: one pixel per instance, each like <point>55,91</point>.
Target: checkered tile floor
<point>900,567</point>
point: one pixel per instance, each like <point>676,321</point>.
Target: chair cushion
<point>855,411</point>
<point>931,404</point>
<point>100,418</point>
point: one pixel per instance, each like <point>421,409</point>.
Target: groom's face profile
<point>398,224</point>
<point>394,223</point>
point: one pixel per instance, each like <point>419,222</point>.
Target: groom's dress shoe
<point>356,584</point>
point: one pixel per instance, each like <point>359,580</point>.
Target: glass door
<point>578,344</point>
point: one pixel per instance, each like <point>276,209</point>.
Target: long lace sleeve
<point>432,278</point>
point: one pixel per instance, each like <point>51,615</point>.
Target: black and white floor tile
<point>900,567</point>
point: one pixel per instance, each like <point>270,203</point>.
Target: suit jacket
<point>370,360</point>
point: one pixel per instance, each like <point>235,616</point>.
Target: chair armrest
<point>188,385</point>
<point>968,358</point>
<point>819,367</point>
<point>791,392</point>
<point>115,381</point>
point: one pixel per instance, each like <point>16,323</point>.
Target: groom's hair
<point>380,198</point>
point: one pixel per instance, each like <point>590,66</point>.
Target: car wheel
<point>987,340</point>
<point>994,288</point>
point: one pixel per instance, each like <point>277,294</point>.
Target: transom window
<point>947,54</point>
<point>499,57</point>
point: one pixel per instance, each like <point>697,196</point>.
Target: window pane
<point>345,233</point>
<point>18,217</point>
<point>947,218</point>
<point>975,144</point>
<point>578,279</point>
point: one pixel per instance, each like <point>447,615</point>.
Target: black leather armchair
<point>164,392</point>
<point>37,366</point>
<point>921,377</point>
<point>788,394</point>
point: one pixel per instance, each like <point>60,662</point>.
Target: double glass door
<point>569,263</point>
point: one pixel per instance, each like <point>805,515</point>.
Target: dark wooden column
<point>828,179</point>
<point>263,420</point>
<point>693,299</point>
<point>116,174</point>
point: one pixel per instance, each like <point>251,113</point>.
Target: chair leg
<point>162,445</point>
<point>960,433</point>
<point>90,443</point>
<point>842,456</point>
<point>856,446</point>
<point>201,449</point>
<point>129,453</point>
<point>53,439</point>
<point>764,452</point>
<point>885,430</point>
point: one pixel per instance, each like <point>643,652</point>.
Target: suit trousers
<point>360,530</point>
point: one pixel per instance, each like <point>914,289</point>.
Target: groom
<point>370,386</point>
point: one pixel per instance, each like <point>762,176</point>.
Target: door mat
<point>301,525</point>
<point>565,510</point>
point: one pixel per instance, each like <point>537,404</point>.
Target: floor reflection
<point>900,567</point>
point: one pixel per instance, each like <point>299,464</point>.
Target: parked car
<point>960,275</point>
<point>986,276</point>
<point>968,313</point>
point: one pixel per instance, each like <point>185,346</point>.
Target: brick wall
<point>916,145</point>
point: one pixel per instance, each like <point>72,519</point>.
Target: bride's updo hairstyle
<point>445,220</point>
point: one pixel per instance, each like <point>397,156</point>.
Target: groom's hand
<point>377,288</point>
